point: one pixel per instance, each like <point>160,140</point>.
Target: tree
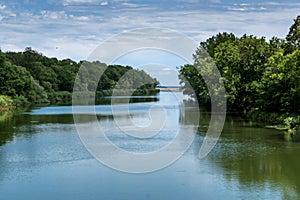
<point>258,75</point>
<point>38,78</point>
<point>293,37</point>
<point>45,75</point>
<point>209,46</point>
<point>280,85</point>
<point>17,81</point>
<point>240,62</point>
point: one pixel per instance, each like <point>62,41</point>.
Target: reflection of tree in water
<point>255,159</point>
<point>31,150</point>
<point>26,125</point>
<point>5,127</point>
<point>190,115</point>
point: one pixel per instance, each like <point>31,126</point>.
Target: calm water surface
<point>42,157</point>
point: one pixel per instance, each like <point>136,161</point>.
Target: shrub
<point>292,122</point>
<point>5,101</point>
<point>20,100</point>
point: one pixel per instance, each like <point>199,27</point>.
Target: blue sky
<point>74,28</point>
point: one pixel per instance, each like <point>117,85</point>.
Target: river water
<point>42,157</point>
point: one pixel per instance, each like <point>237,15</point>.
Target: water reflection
<point>41,150</point>
<point>257,159</point>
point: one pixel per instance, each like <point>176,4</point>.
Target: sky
<point>75,28</point>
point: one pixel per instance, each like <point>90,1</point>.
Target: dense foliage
<point>259,76</point>
<point>5,101</point>
<point>32,77</point>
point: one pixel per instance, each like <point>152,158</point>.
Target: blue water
<point>44,158</point>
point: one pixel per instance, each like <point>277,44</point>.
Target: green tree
<point>280,85</point>
<point>240,62</point>
<point>38,78</point>
<point>209,46</point>
<point>17,81</point>
<point>293,37</point>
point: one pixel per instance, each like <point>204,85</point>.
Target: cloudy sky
<point>74,28</point>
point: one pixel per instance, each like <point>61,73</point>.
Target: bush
<point>292,122</point>
<point>266,117</point>
<point>60,97</point>
<point>5,101</point>
<point>20,101</point>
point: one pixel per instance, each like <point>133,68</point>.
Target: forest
<point>31,78</point>
<point>261,77</point>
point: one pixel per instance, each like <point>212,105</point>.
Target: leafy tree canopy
<point>258,75</point>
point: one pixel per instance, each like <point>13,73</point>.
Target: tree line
<point>261,77</point>
<point>30,77</point>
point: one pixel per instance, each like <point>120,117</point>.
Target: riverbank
<point>8,103</point>
<point>288,123</point>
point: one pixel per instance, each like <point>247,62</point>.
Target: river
<point>42,157</point>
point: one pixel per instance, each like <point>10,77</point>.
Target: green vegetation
<point>6,103</point>
<point>292,125</point>
<point>261,78</point>
<point>31,78</point>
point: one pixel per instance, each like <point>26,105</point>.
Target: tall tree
<point>211,43</point>
<point>293,37</point>
<point>17,81</point>
<point>280,84</point>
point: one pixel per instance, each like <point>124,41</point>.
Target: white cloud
<point>2,7</point>
<point>165,77</point>
<point>246,7</point>
<point>273,3</point>
<point>54,15</point>
<point>62,46</point>
<point>81,1</point>
<point>237,9</point>
<point>166,69</point>
<point>244,4</point>
<point>77,34</point>
<point>12,14</point>
<point>215,1</point>
<point>132,5</point>
<point>104,3</point>
<point>83,18</point>
<point>6,13</point>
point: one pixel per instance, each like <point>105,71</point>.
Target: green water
<point>42,157</point>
